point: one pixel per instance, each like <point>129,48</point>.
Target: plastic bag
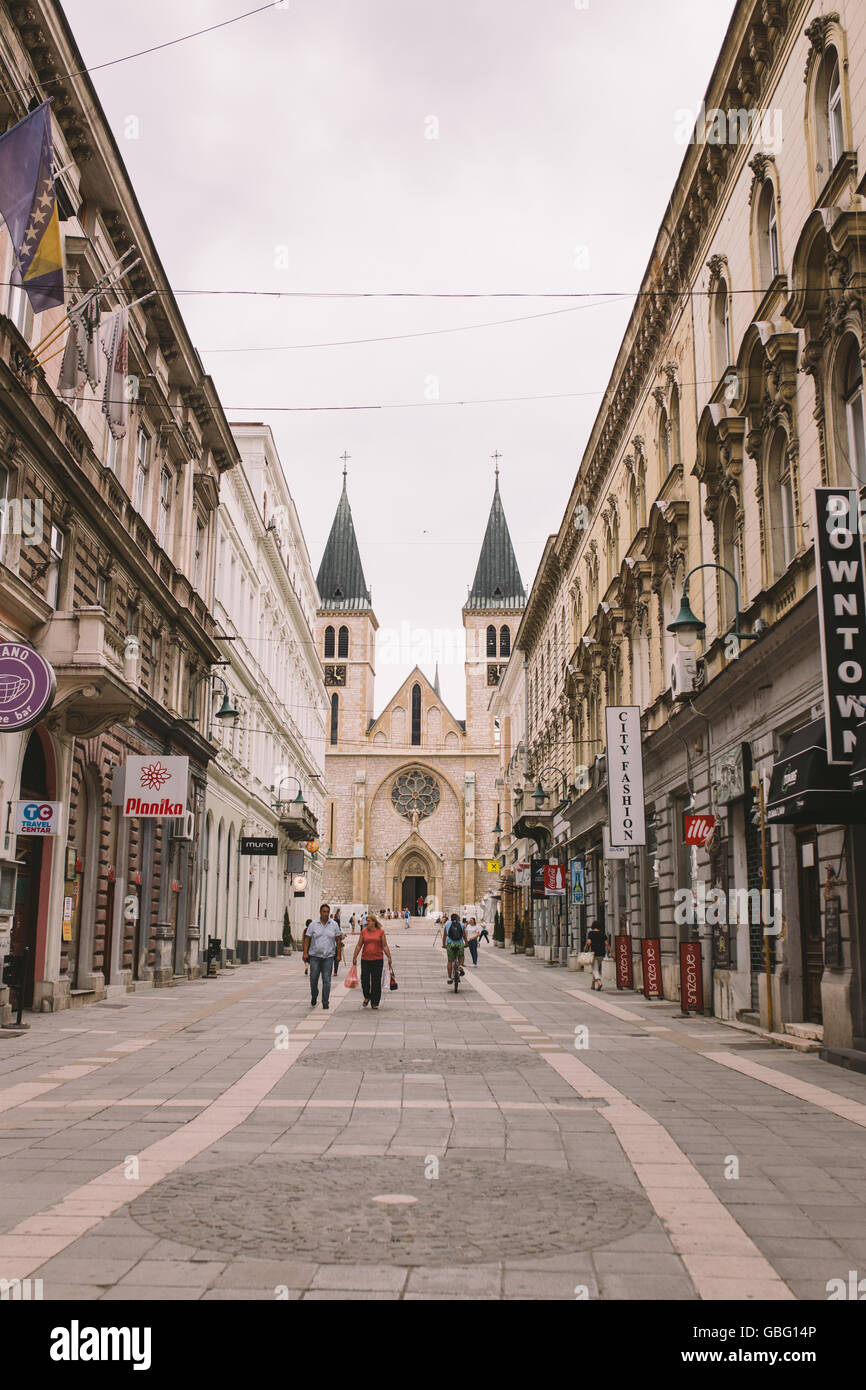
<point>351,980</point>
<point>386,974</point>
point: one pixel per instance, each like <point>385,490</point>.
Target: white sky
<point>288,152</point>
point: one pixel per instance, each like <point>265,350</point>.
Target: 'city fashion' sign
<point>27,685</point>
<point>153,787</point>
<point>624,967</point>
<point>691,979</point>
<point>37,817</point>
<point>259,844</point>
<point>842,615</point>
<point>625,775</point>
<point>651,955</point>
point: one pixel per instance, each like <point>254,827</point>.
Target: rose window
<point>415,794</point>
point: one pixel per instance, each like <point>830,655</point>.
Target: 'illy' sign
<point>842,614</point>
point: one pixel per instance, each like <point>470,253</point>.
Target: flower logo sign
<point>153,786</point>
<point>154,776</point>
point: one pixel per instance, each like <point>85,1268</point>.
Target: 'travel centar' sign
<point>152,787</point>
<point>842,614</point>
<point>625,775</point>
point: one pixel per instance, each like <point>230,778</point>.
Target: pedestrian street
<point>522,1139</point>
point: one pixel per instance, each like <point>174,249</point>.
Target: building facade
<point>412,795</point>
<point>273,749</point>
<point>736,392</point>
<point>106,570</point>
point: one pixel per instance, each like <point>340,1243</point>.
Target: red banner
<point>624,970</point>
<point>554,880</point>
<point>691,976</point>
<point>698,829</point>
<point>651,954</point>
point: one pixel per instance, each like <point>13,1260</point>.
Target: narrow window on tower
<point>505,641</point>
<point>416,714</point>
<point>335,717</point>
<point>343,642</point>
<point>491,640</point>
<point>329,641</point>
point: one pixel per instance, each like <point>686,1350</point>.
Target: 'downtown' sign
<point>842,614</point>
<point>625,776</point>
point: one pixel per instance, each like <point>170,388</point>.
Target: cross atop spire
<point>345,458</point>
<point>496,456</point>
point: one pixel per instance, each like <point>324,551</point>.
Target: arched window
<point>634,524</point>
<point>329,641</point>
<point>343,642</point>
<point>722,327</point>
<point>779,503</point>
<point>850,417</point>
<point>641,496</point>
<point>640,672</point>
<point>730,557</point>
<point>416,714</point>
<point>674,429</point>
<point>491,640</point>
<point>505,641</point>
<point>668,643</point>
<point>335,718</point>
<point>835,126</point>
<point>768,235</point>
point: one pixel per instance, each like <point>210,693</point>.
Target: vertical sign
<point>624,968</point>
<point>624,775</point>
<point>537,870</point>
<point>578,882</point>
<point>651,954</point>
<point>842,616</point>
<point>554,880</point>
<point>691,978</point>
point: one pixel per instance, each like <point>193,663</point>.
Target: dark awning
<point>858,767</point>
<point>806,790</point>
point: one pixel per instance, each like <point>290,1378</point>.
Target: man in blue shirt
<point>323,944</point>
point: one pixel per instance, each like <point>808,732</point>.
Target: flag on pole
<point>29,205</point>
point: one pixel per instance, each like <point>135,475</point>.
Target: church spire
<point>497,582</point>
<point>340,580</point>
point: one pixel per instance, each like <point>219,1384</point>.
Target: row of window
<point>342,642</point>
<point>504,641</point>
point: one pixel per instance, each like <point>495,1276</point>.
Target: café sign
<point>27,686</point>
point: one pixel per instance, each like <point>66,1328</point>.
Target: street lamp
<point>226,709</point>
<point>298,802</point>
<point>540,794</point>
<point>687,627</point>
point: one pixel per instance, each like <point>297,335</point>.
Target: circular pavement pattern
<point>447,1060</point>
<point>325,1210</point>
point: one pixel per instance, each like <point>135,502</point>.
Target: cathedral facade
<point>412,795</point>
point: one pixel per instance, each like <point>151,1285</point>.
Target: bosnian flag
<point>29,205</point>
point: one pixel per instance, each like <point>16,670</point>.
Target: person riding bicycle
<point>454,941</point>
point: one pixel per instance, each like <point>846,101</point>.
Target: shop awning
<point>806,790</point>
<point>858,767</point>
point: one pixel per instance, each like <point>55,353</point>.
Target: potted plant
<point>517,936</point>
<point>287,933</point>
<point>498,931</point>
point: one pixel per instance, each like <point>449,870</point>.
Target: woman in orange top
<point>373,947</point>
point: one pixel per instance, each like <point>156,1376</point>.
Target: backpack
<point>455,931</point>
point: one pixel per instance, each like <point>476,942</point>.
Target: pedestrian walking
<point>473,931</point>
<point>306,962</point>
<point>373,948</point>
<point>596,941</point>
<point>323,946</point>
<point>484,933</point>
<point>406,916</point>
<point>420,905</point>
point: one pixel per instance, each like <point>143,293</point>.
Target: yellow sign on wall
<point>493,866</point>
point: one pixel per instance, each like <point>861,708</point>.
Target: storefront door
<point>811,941</point>
<point>28,852</point>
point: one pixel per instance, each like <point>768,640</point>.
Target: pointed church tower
<point>346,631</point>
<point>491,616</point>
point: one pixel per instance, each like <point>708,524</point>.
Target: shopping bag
<point>386,974</point>
<point>392,983</point>
<point>351,980</point>
<point>586,958</point>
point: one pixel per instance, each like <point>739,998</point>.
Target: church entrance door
<point>414,887</point>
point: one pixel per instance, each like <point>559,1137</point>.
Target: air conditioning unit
<point>684,673</point>
<point>184,826</point>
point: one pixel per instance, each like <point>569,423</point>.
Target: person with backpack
<point>454,940</point>
<point>372,947</point>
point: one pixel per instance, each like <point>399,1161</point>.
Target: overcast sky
<point>292,151</point>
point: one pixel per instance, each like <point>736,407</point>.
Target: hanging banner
<point>259,844</point>
<point>625,775</point>
<point>698,829</point>
<point>152,787</point>
<point>651,955</point>
<point>691,978</point>
<point>624,966</point>
<point>554,880</point>
<point>299,885</point>
<point>522,875</point>
<point>538,868</point>
<point>842,617</point>
<point>37,817</point>
<point>578,882</point>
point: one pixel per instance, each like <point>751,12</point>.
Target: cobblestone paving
<point>598,1163</point>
